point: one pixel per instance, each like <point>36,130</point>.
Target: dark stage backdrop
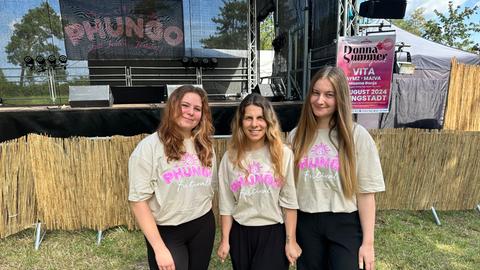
<point>119,120</point>
<point>122,29</point>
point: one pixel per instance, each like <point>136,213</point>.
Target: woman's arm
<point>224,247</point>
<point>366,211</point>
<point>292,249</point>
<point>147,224</point>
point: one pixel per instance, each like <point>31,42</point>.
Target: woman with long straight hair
<point>171,178</point>
<point>338,172</point>
<point>257,192</point>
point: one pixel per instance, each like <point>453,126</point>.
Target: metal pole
<point>38,235</point>
<point>435,216</point>
<point>289,64</point>
<point>305,49</point>
<point>478,207</point>
<point>99,237</point>
<point>345,17</point>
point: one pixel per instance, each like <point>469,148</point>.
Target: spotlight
<point>213,62</point>
<point>185,61</point>
<point>40,60</point>
<point>205,62</point>
<point>52,60</point>
<point>195,61</point>
<point>29,62</point>
<point>62,59</point>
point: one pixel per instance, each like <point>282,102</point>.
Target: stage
<point>121,119</point>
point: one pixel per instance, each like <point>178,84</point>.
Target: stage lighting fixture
<point>213,62</point>
<point>62,59</point>
<point>40,60</point>
<point>29,62</point>
<point>185,61</point>
<point>52,60</point>
<point>205,62</point>
<point>195,61</point>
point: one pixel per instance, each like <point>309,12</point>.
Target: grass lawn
<point>404,240</point>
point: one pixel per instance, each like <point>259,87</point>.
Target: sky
<point>11,11</point>
<point>442,7</point>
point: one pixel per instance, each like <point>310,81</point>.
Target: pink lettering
<point>168,177</point>
<point>90,30</point>
<point>187,172</point>
<point>154,30</point>
<point>322,162</point>
<point>303,164</point>
<point>334,164</point>
<point>177,172</point>
<point>196,171</point>
<point>206,172</point>
<point>137,27</point>
<point>173,36</point>
<point>108,27</point>
<point>75,33</point>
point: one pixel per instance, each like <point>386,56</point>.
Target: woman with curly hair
<point>171,178</point>
<point>256,184</point>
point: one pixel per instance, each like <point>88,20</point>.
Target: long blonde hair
<point>273,139</point>
<point>341,121</point>
<point>169,131</point>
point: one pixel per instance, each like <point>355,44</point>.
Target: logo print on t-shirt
<point>257,176</point>
<point>188,166</point>
<point>319,157</point>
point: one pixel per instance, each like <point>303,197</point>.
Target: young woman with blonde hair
<point>338,173</point>
<point>256,191</point>
<point>171,177</point>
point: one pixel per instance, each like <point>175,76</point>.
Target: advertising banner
<point>368,64</point>
<point>122,29</point>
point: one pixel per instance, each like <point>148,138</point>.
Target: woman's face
<point>323,100</point>
<point>190,114</point>
<point>254,125</point>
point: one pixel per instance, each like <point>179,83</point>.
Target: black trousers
<point>258,247</point>
<point>190,243</point>
<point>329,241</point>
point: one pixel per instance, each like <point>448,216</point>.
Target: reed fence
<point>75,183</point>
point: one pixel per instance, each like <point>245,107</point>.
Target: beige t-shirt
<point>256,200</point>
<point>177,192</point>
<point>318,184</point>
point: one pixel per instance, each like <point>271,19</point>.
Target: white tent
<point>418,100</point>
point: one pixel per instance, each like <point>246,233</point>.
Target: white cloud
<point>431,5</point>
<point>13,22</point>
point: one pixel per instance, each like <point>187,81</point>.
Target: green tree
<point>415,24</point>
<point>32,36</point>
<point>232,26</point>
<point>452,29</point>
<point>267,33</point>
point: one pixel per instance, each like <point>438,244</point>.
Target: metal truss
<point>347,21</point>
<point>252,46</point>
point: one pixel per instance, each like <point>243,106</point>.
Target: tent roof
<point>427,54</point>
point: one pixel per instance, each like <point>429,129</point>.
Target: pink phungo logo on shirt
<point>255,176</point>
<point>319,158</point>
<point>188,166</point>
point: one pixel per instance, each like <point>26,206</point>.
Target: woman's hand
<point>292,251</point>
<point>164,259</point>
<point>366,256</point>
<point>223,250</point>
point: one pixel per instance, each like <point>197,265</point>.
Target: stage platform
<point>122,119</point>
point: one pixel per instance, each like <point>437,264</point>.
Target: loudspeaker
<point>269,91</point>
<point>90,96</point>
<point>139,94</point>
<point>383,9</point>
<point>173,87</point>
